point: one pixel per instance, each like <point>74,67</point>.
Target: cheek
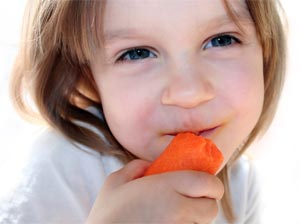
<point>246,96</point>
<point>242,93</point>
<point>251,92</point>
<point>129,111</point>
<point>243,86</point>
<point>246,99</point>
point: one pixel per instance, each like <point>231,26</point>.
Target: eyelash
<point>232,40</point>
<point>130,50</point>
<point>219,36</point>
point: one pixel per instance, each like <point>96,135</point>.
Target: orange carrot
<point>187,151</point>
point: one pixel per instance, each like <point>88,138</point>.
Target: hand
<point>174,197</point>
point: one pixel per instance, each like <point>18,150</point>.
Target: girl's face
<point>171,66</point>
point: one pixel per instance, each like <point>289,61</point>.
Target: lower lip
<point>207,133</point>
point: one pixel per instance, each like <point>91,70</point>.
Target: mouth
<point>206,133</point>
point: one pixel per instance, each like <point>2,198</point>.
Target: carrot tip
<point>188,151</point>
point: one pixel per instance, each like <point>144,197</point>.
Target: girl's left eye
<point>136,54</point>
<point>222,41</point>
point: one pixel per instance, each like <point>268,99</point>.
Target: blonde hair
<point>59,38</point>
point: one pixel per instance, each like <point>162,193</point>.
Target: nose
<point>187,87</point>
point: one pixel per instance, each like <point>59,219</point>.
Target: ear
<point>87,85</point>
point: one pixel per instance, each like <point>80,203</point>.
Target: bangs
<point>236,17</point>
<point>83,28</point>
<point>71,27</point>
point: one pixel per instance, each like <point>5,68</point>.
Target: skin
<point>185,79</point>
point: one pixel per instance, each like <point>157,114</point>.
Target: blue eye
<point>136,54</point>
<point>222,41</point>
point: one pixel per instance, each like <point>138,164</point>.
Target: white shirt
<point>59,183</point>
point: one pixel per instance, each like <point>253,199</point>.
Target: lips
<point>204,133</point>
<point>207,132</point>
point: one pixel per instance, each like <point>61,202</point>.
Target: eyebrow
<point>219,21</point>
<point>126,33</point>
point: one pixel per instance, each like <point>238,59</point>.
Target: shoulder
<point>53,150</point>
<point>245,190</point>
<point>242,169</point>
<point>58,178</point>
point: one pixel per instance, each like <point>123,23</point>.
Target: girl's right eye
<point>136,54</point>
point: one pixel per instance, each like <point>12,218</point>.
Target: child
<point>117,80</point>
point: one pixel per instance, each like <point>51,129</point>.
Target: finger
<point>195,184</point>
<point>130,171</point>
<point>199,210</point>
<point>193,210</point>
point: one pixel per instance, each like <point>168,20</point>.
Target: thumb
<point>133,170</point>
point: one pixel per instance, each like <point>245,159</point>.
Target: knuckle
<point>214,209</point>
<point>215,184</point>
<point>113,176</point>
<point>220,188</point>
<point>210,211</point>
<point>203,179</point>
<point>222,191</point>
<point>109,182</point>
<point>113,180</point>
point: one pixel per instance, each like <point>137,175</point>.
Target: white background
<point>277,153</point>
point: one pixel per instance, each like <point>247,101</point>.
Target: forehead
<point>123,17</point>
